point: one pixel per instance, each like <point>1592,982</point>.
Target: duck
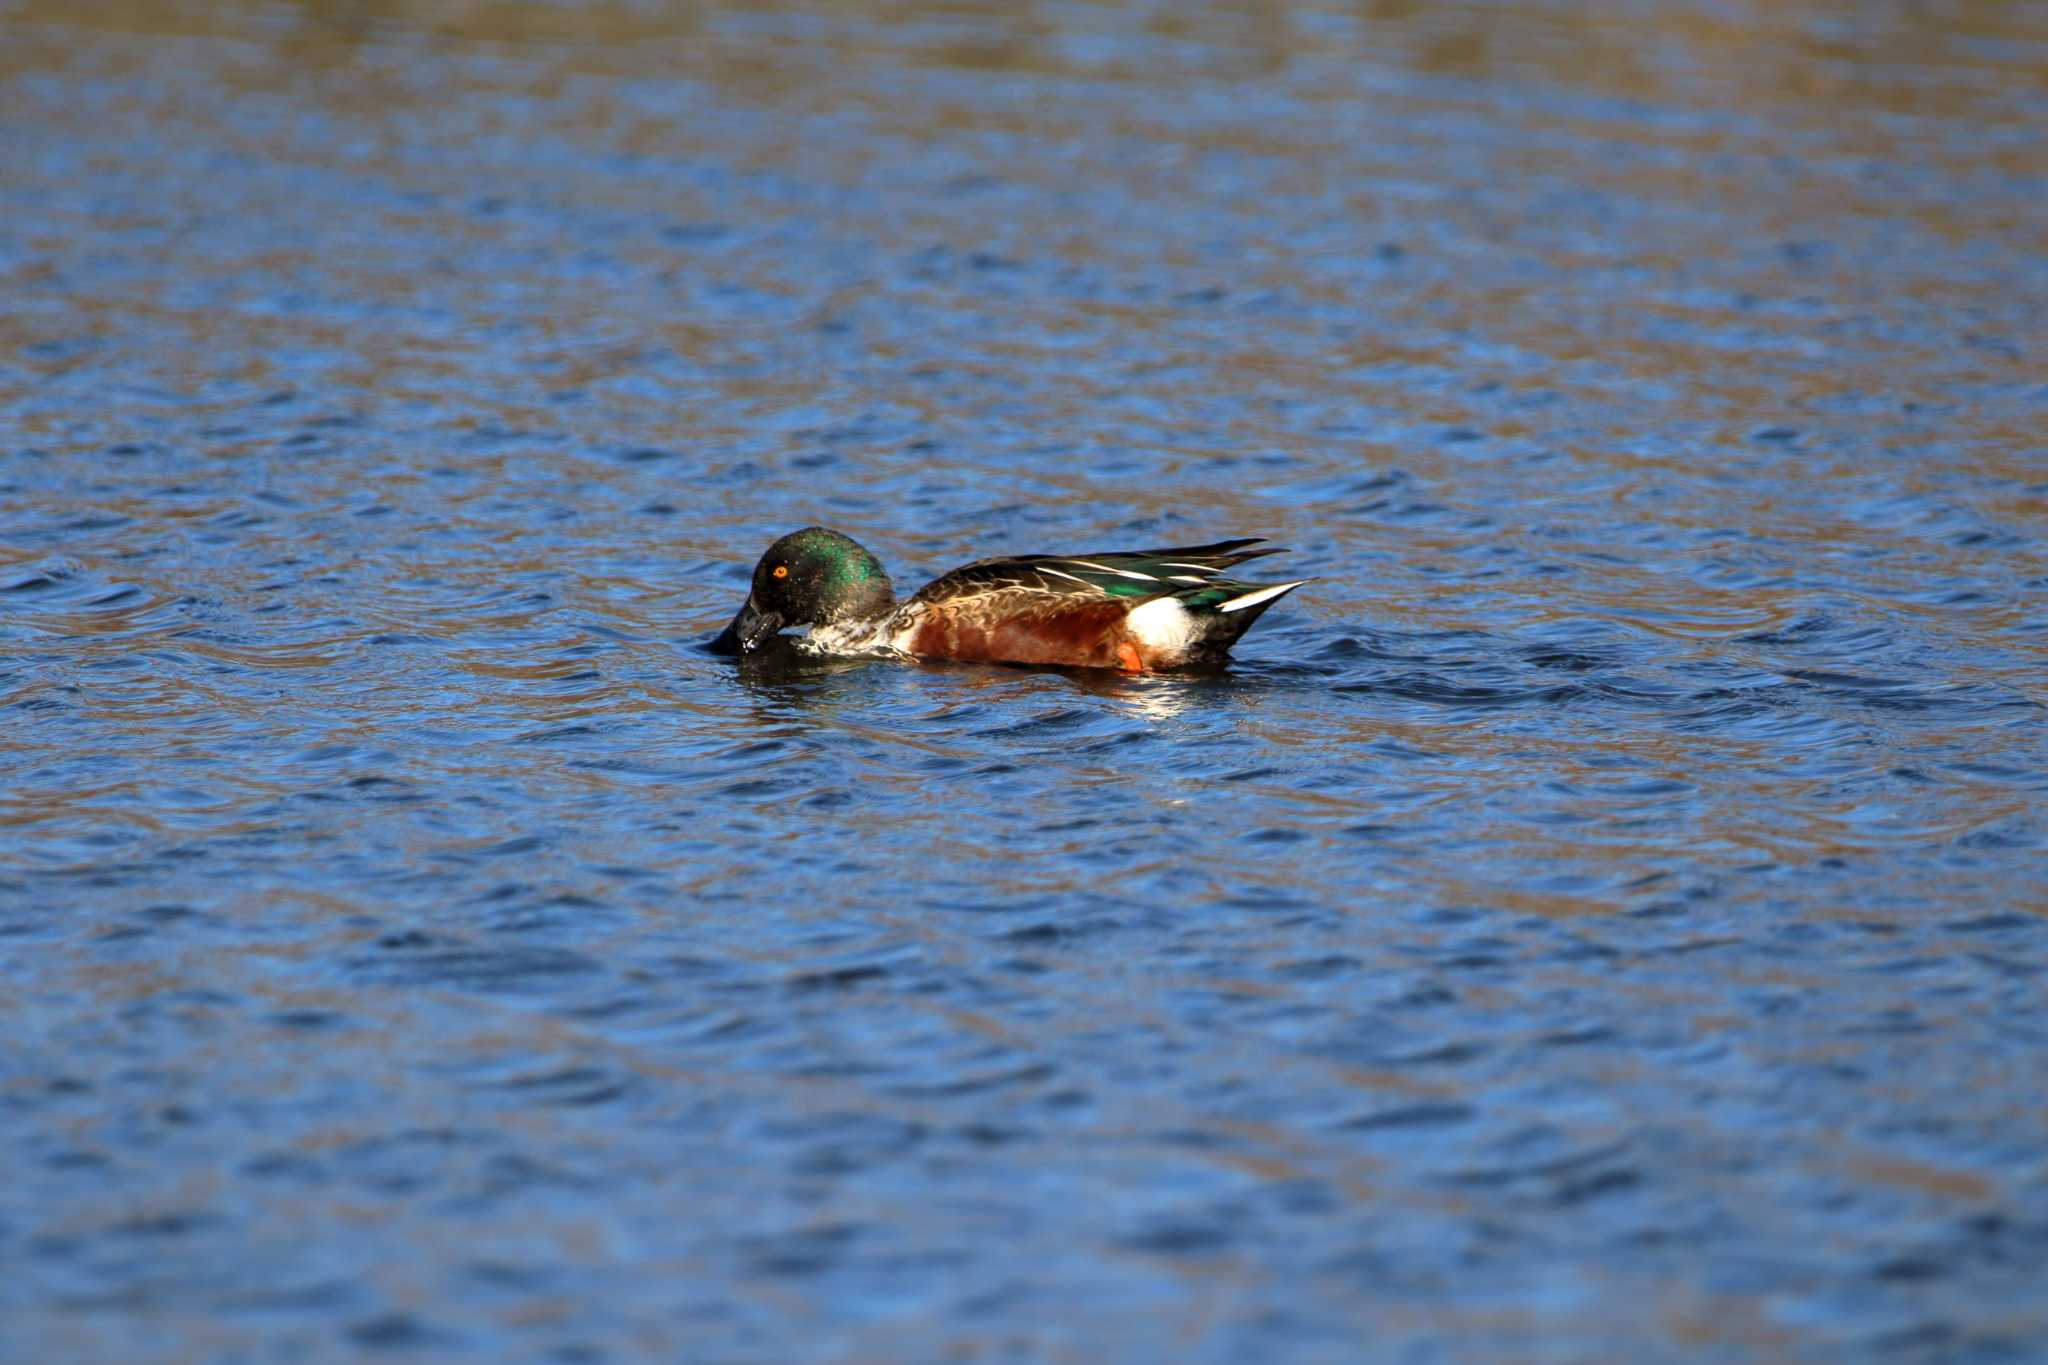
<point>1132,610</point>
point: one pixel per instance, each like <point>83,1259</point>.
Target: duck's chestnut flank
<point>1130,609</point>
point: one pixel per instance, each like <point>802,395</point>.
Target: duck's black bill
<point>747,630</point>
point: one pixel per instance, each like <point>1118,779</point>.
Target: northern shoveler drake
<point>1130,609</point>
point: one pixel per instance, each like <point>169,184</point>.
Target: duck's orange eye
<point>782,570</point>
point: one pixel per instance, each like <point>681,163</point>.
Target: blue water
<point>1601,917</point>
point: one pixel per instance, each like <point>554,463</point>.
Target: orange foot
<point>1127,655</point>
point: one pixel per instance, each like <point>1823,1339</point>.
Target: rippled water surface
<point>1602,917</point>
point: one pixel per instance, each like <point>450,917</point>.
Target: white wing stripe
<point>1120,573</point>
<point>1252,599</point>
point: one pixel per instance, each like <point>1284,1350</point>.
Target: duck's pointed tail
<point>1233,616</point>
<point>1259,598</point>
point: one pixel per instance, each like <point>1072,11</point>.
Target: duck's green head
<point>808,578</point>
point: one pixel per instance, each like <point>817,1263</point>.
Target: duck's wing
<point>1191,573</point>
